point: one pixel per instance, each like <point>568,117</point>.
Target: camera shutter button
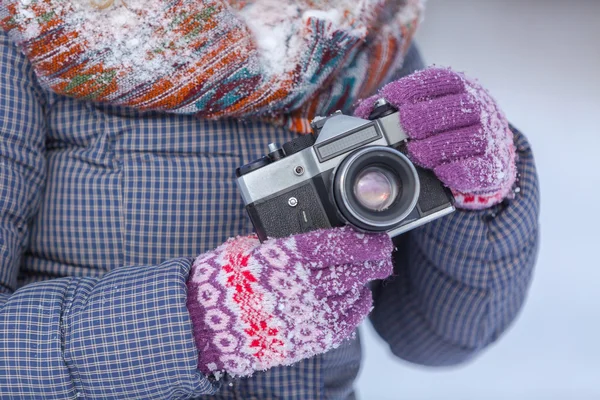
<point>275,153</point>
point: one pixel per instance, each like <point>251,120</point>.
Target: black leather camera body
<point>350,171</point>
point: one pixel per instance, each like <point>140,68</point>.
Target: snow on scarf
<point>283,59</point>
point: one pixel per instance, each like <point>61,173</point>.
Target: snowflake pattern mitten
<point>255,306</point>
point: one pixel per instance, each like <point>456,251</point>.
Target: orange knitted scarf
<point>279,59</point>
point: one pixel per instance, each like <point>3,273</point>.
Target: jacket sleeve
<point>461,280</point>
<point>126,335</point>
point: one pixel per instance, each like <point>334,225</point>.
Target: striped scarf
<point>285,60</point>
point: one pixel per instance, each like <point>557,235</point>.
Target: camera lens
<point>376,188</point>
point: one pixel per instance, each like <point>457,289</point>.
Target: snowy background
<point>541,61</point>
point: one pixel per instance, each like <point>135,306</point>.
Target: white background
<point>541,61</point>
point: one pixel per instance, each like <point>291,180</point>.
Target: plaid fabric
<point>461,280</point>
<point>97,206</point>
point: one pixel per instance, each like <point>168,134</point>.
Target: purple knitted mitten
<point>255,306</point>
<point>457,130</point>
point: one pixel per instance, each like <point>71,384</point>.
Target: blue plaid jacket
<point>102,210</point>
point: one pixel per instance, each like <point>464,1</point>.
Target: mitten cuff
<point>480,201</point>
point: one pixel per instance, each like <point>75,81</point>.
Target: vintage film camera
<point>351,171</point>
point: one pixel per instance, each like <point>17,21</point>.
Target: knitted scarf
<point>286,60</point>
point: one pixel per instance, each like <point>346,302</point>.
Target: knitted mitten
<point>457,130</point>
<point>254,306</point>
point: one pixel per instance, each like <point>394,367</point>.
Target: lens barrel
<point>375,188</point>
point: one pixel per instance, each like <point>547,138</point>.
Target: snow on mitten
<point>456,129</point>
<point>255,306</point>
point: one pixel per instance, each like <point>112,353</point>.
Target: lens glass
<point>376,188</point>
